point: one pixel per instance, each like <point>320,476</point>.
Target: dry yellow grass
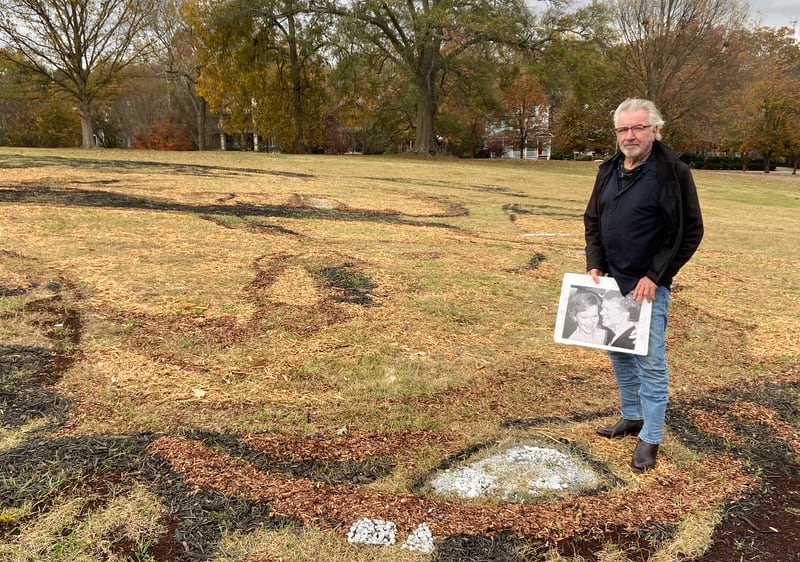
<point>196,271</point>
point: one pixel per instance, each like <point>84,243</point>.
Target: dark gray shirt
<point>633,227</point>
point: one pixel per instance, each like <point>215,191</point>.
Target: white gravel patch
<point>421,540</point>
<point>373,531</point>
<point>377,532</point>
<point>516,473</point>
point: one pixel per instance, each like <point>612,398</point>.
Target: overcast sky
<point>777,13</point>
<point>772,13</point>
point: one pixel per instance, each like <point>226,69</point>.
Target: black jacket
<point>680,208</point>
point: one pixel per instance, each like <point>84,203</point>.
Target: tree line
<point>429,76</point>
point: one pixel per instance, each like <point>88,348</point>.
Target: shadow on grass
<point>42,195</point>
<point>41,472</point>
<point>22,397</point>
<point>11,161</point>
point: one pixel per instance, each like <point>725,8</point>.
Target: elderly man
<point>642,224</point>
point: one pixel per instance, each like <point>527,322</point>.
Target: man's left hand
<point>645,289</point>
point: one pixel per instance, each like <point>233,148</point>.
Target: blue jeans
<point>643,380</point>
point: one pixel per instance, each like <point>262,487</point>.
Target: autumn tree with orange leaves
<point>766,118</point>
<point>526,111</point>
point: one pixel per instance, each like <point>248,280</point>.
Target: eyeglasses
<point>637,129</point>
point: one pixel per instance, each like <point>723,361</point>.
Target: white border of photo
<point>574,283</point>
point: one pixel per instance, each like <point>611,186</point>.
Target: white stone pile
<point>377,532</point>
<point>373,531</point>
<point>421,540</point>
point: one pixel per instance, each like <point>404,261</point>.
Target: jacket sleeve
<point>595,256</point>
<point>682,211</point>
<point>692,220</point>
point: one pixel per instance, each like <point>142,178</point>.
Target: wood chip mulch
<point>663,499</point>
<point>344,448</point>
<point>756,413</point>
<point>713,424</point>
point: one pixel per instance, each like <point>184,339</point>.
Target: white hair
<point>636,104</point>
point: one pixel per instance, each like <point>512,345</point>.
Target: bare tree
<point>678,53</point>
<point>182,66</point>
<point>81,45</point>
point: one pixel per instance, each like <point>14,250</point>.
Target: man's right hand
<point>596,275</point>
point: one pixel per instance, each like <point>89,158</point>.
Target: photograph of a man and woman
<point>599,316</point>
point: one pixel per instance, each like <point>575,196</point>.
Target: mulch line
<point>665,500</point>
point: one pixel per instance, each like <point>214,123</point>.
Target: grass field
<point>232,355</point>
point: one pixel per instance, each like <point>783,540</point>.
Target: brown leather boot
<point>644,456</point>
<point>621,429</point>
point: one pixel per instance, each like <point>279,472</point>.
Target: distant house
<point>521,136</point>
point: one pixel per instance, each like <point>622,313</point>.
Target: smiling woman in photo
<point>584,313</point>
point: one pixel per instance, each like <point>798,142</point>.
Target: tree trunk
<point>201,125</point>
<point>425,141</point>
<point>297,89</point>
<point>87,129</point>
<point>427,67</point>
<point>476,139</point>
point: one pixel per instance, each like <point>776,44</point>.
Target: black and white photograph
<point>598,315</point>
